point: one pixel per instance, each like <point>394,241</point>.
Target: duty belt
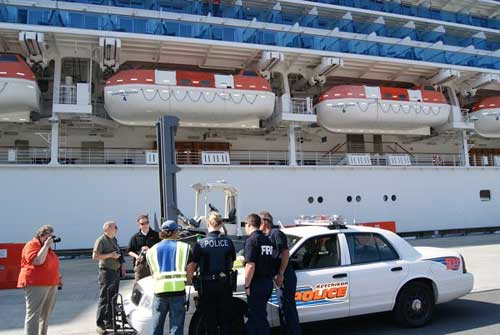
<point>216,276</point>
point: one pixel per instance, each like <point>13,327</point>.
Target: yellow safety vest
<point>167,261</point>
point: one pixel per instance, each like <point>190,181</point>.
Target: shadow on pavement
<point>463,315</point>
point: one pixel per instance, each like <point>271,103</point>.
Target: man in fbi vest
<point>167,261</point>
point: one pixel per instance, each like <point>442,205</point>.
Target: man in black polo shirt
<point>259,270</point>
<point>139,243</point>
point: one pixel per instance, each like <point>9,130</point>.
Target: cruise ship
<point>376,110</point>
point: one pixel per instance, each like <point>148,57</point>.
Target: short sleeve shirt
<point>214,254</point>
<point>280,243</point>
<point>259,250</point>
<point>46,274</point>
<point>138,240</point>
<point>106,245</point>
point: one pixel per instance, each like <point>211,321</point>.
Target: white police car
<point>346,271</point>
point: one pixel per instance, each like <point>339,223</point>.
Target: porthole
<point>349,198</point>
<point>358,198</point>
<point>485,195</point>
<point>320,199</point>
<point>385,197</point>
<point>393,197</point>
<point>310,200</point>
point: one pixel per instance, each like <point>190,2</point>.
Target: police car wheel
<point>414,305</point>
<point>198,325</point>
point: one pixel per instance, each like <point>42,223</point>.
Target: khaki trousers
<point>40,301</point>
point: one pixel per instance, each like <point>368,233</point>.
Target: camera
<point>56,239</point>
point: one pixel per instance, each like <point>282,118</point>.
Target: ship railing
<point>141,156</point>
<point>301,106</point>
<point>24,155</point>
<point>67,94</point>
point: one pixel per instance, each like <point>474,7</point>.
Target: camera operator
<point>107,252</point>
<point>40,278</point>
<point>214,255</point>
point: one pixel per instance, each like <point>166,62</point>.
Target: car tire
<point>414,305</point>
<point>198,321</point>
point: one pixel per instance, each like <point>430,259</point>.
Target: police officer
<point>259,269</point>
<point>168,260</point>
<point>284,276</point>
<point>214,255</point>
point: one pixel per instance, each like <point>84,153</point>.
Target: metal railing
<point>67,94</point>
<point>95,156</point>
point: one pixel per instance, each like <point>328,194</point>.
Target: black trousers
<point>216,302</point>
<point>109,283</point>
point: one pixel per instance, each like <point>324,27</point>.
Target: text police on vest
<point>266,250</point>
<point>214,243</point>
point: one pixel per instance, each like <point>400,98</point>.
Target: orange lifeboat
<point>486,117</point>
<point>19,92</point>
<point>198,99</point>
<point>381,110</point>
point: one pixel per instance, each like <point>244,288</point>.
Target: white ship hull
<point>142,105</point>
<point>371,116</point>
<point>83,197</point>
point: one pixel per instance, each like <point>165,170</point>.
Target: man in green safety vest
<point>167,261</point>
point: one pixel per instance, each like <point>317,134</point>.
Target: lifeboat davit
<point>381,110</point>
<point>19,92</point>
<point>486,117</point>
<point>198,99</point>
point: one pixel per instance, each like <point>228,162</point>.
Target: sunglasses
<point>144,223</point>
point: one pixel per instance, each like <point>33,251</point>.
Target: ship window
<point>485,195</point>
<point>8,58</point>
<point>387,96</point>
<point>185,82</point>
<point>310,200</point>
<point>205,83</point>
<point>320,199</point>
<point>402,97</point>
<point>393,197</point>
<point>358,198</point>
<point>386,197</point>
<point>349,198</point>
<point>250,73</point>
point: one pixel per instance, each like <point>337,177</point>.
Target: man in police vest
<point>167,261</point>
<point>259,270</point>
<point>214,255</point>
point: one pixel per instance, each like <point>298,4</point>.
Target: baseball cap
<point>169,225</point>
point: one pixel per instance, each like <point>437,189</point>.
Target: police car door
<point>322,280</point>
<point>375,273</point>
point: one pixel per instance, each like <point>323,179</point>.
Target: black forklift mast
<point>166,129</point>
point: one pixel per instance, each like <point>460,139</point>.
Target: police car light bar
<point>332,222</point>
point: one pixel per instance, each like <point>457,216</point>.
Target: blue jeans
<point>174,307</point>
<point>289,317</point>
<point>260,292</point>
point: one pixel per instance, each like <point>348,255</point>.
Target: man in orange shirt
<point>39,277</point>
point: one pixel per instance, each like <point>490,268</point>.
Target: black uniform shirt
<point>138,240</point>
<point>259,250</point>
<point>214,254</point>
<point>280,243</point>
